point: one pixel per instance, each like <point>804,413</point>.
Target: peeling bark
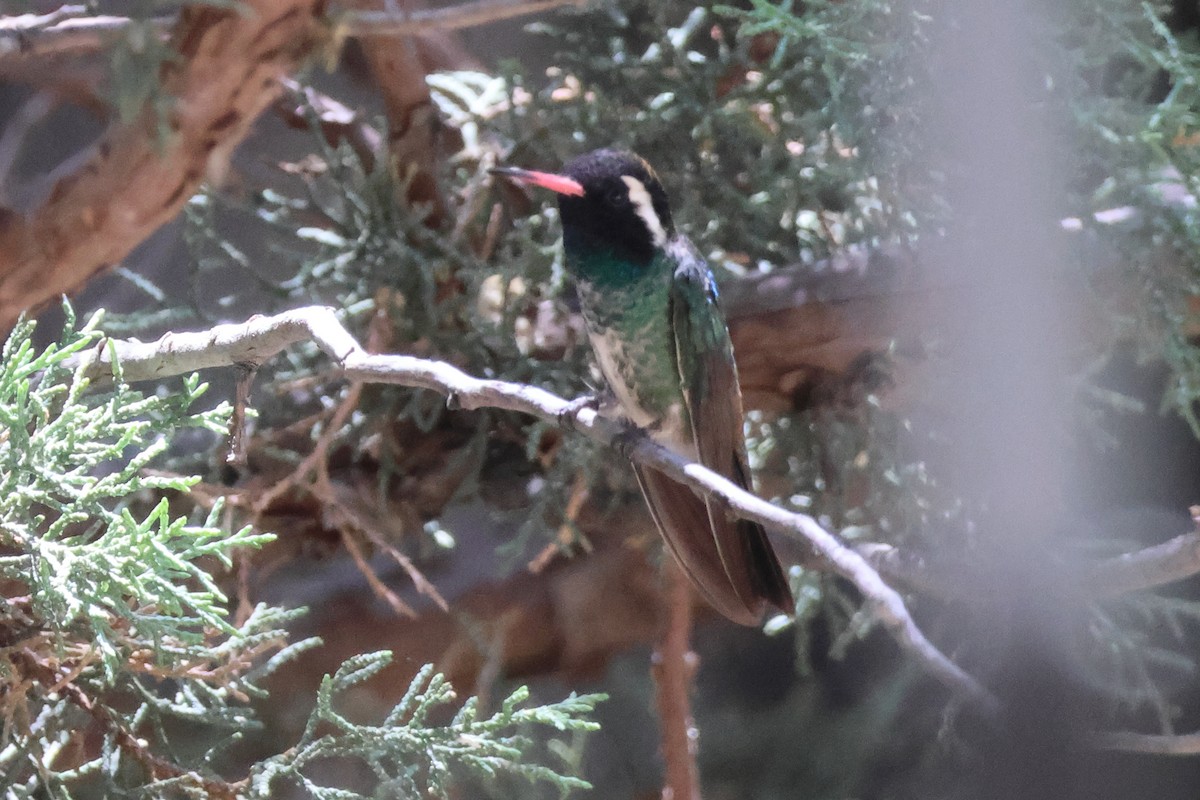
<point>229,69</point>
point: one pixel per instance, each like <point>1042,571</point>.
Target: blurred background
<point>957,245</point>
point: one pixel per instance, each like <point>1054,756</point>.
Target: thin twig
<point>463,15</point>
<point>259,338</point>
<point>158,768</point>
<point>568,531</point>
<point>312,473</point>
<point>674,668</point>
<point>316,463</point>
<point>236,457</point>
<point>1154,566</point>
<point>349,516</point>
<point>60,32</point>
<point>381,589</point>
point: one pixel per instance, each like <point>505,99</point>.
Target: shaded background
<point>932,359</point>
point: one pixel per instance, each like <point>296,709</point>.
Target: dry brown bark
<point>673,669</point>
<point>804,336</point>
<point>229,68</point>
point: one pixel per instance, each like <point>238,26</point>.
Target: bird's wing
<point>714,405</point>
<point>683,519</point>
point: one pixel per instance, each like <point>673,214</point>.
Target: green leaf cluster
<point>409,754</point>
<point>72,465</point>
<point>122,671</point>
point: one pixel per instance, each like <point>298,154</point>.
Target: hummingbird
<point>650,305</point>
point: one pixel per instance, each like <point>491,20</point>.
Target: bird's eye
<point>616,197</point>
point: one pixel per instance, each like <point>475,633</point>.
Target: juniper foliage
<point>411,756</point>
<point>117,641</point>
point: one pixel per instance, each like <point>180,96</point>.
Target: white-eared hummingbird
<point>650,304</point>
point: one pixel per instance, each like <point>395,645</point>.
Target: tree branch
<point>456,17</point>
<point>69,31</point>
<point>1185,744</point>
<point>138,177</point>
<point>673,667</point>
<point>1140,570</point>
<point>63,31</point>
<point>1154,566</point>
<point>259,338</point>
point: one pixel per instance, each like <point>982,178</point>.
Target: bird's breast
<point>635,351</point>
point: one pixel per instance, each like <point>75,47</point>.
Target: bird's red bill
<point>547,180</point>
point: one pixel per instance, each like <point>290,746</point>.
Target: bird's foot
<point>627,439</point>
<point>567,417</point>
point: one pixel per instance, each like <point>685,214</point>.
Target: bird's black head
<point>610,201</point>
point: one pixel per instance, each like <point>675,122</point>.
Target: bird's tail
<point>730,561</point>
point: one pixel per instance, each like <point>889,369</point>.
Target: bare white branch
<point>63,31</point>
<point>1184,744</point>
<point>1154,566</point>
<point>462,15</point>
<point>251,343</point>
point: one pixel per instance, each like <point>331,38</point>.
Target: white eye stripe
<point>644,206</point>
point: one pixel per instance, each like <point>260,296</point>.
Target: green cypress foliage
<point>116,637</point>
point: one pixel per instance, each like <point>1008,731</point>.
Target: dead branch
<point>456,17</point>
<point>1140,570</point>
<point>69,31</point>
<point>338,122</point>
<point>259,338</point>
<point>806,328</point>
<point>156,767</point>
<point>230,65</point>
<point>674,667</point>
<point>66,30</point>
<point>568,534</point>
<point>1184,744</point>
<point>1154,566</point>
